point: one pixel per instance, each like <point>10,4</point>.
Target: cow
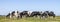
<point>13,14</point>
<point>48,14</point>
<point>24,13</point>
<point>44,14</point>
<point>35,13</point>
<point>51,13</point>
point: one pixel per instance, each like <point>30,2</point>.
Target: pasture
<point>30,19</point>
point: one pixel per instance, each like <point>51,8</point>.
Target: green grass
<point>30,19</point>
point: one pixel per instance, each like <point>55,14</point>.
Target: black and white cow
<point>24,13</point>
<point>13,14</point>
<point>35,13</point>
<point>51,13</point>
<point>44,15</point>
<point>47,13</point>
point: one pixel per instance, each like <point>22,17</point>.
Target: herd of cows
<point>41,14</point>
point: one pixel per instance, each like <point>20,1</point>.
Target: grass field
<point>30,19</point>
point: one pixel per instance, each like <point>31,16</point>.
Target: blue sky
<point>7,6</point>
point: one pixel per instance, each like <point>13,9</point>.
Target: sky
<point>7,6</point>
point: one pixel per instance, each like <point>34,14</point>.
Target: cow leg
<point>11,16</point>
<point>27,15</point>
<point>20,16</point>
<point>17,17</point>
<point>35,15</point>
<point>41,16</point>
<point>46,16</point>
<point>53,16</point>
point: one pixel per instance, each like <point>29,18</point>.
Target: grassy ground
<point>30,19</point>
